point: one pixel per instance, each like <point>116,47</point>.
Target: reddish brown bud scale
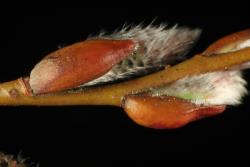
<point>79,63</point>
<point>166,112</point>
<point>227,43</point>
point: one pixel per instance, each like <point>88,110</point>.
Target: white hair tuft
<point>215,88</point>
<point>158,46</point>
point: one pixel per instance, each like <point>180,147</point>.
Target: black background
<point>103,135</point>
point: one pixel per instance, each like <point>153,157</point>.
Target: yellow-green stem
<point>13,93</point>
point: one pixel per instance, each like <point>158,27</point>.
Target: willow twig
<point>15,92</point>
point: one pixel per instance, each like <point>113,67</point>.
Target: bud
<point>166,112</point>
<point>76,64</point>
<point>230,43</point>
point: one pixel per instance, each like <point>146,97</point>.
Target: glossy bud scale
<point>79,63</point>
